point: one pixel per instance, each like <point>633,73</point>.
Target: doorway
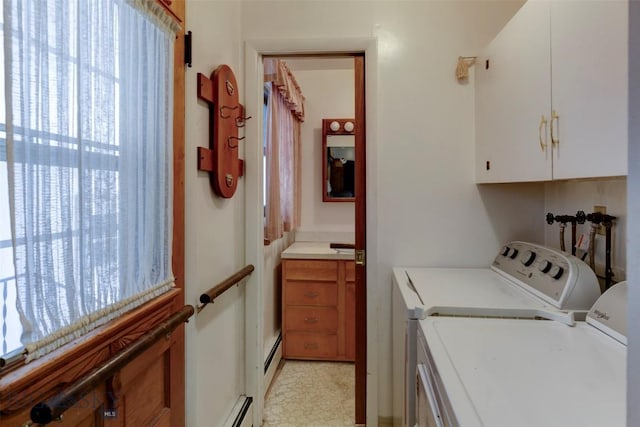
<point>359,219</point>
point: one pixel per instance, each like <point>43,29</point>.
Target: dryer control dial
<point>556,272</point>
<point>514,253</point>
<point>505,250</point>
<point>528,258</point>
<point>545,266</point>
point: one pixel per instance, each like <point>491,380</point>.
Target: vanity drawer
<point>310,270</point>
<point>310,346</point>
<point>309,293</point>
<point>320,319</point>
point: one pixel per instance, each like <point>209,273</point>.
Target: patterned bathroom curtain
<point>285,113</point>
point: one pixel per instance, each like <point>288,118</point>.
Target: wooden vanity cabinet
<point>318,309</point>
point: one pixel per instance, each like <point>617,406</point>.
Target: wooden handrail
<point>221,287</point>
<point>52,409</point>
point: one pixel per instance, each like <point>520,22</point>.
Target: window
<point>10,322</point>
<point>85,165</point>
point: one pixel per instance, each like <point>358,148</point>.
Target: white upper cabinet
<point>552,103</point>
<point>513,91</point>
<point>589,87</point>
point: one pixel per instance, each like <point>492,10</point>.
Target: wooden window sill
<point>31,383</point>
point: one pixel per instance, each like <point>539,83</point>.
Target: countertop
<point>316,250</point>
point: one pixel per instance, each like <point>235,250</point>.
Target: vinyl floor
<point>311,394</point>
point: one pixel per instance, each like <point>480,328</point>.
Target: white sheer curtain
<point>89,123</point>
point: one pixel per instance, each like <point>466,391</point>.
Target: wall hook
<point>230,145</point>
<point>220,159</point>
<point>240,121</point>
<point>224,107</point>
<point>462,68</point>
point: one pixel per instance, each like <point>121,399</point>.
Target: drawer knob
<point>311,320</point>
<point>311,294</point>
<point>310,346</point>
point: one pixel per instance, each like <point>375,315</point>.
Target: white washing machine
<point>525,373</point>
<point>525,280</point>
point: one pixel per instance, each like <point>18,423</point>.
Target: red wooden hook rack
<point>226,116</point>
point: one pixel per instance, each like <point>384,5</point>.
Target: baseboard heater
<point>240,421</point>
<point>272,353</point>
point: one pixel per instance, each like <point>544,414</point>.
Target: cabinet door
<point>589,50</point>
<point>512,94</point>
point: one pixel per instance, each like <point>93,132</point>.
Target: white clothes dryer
<point>525,373</point>
<point>525,280</point>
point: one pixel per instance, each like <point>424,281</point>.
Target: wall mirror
<point>338,160</point>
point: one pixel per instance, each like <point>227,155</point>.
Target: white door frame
<point>253,89</point>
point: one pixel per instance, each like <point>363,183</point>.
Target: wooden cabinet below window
<point>318,309</point>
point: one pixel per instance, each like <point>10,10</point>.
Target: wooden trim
<point>177,351</point>
<point>178,157</point>
<point>50,410</point>
<point>361,242</point>
<point>38,380</point>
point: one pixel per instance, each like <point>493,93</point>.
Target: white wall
<point>215,248</point>
<point>567,197</point>
<point>329,93</point>
<point>273,290</point>
<point>423,207</point>
<point>633,239</point>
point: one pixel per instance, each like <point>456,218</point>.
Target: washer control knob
<point>528,258</point>
<point>514,253</point>
<point>556,272</point>
<point>545,266</point>
<point>505,250</point>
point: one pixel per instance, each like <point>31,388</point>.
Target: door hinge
<point>187,48</point>
<point>360,256</point>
